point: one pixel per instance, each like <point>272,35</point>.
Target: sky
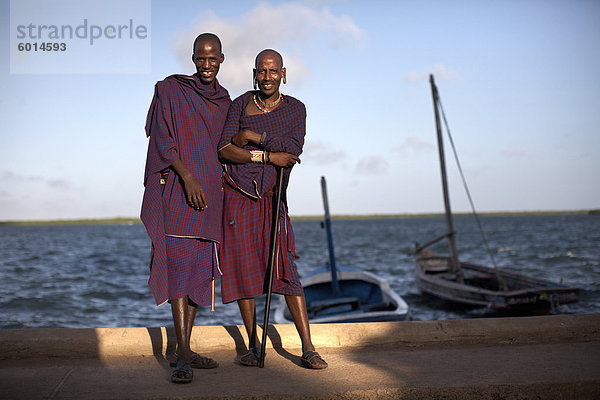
<point>518,81</point>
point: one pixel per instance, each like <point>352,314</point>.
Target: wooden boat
<point>473,285</point>
<point>345,294</point>
<point>483,286</point>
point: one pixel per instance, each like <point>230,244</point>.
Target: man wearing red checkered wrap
<point>264,130</point>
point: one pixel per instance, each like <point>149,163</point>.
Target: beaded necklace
<point>265,106</point>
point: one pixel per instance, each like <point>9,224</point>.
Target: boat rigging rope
<point>464,181</point>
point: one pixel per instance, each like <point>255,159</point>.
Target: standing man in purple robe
<point>264,129</point>
<point>182,205</point>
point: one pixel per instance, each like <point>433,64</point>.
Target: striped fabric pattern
<point>247,217</point>
<point>192,264</point>
<point>185,121</point>
<point>285,128</point>
<point>246,246</point>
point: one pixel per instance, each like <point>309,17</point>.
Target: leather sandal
<point>310,360</point>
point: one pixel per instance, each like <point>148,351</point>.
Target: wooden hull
<point>482,288</point>
<point>363,297</point>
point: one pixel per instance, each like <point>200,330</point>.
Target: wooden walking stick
<point>271,265</point>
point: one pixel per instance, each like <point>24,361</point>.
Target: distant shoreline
<point>132,221</point>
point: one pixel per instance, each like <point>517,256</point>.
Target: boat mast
<point>454,263</point>
<point>335,285</point>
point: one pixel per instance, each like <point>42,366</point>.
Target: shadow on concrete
<point>21,350</point>
<point>241,348</point>
<point>275,338</point>
<point>156,338</point>
<point>236,335</point>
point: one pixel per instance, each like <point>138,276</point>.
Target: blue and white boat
<point>345,294</point>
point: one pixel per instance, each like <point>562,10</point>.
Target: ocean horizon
<point>95,275</point>
<point>127,220</point>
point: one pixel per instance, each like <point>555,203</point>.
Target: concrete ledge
<point>118,342</point>
<point>579,390</point>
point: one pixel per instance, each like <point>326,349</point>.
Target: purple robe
<point>185,121</point>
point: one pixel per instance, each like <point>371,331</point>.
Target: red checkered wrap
<point>192,264</point>
<point>246,246</point>
<point>284,129</point>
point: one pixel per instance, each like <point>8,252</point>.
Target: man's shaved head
<point>208,37</point>
<point>270,52</point>
<point>207,57</point>
<point>268,74</point>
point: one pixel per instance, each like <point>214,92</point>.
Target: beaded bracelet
<point>257,156</point>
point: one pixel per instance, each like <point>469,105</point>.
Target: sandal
<point>251,358</point>
<point>199,362</point>
<point>310,360</point>
<point>183,373</point>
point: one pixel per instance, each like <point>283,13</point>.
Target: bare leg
<point>188,309</point>
<point>183,371</point>
<point>179,308</point>
<point>248,311</point>
<point>297,307</point>
<point>190,316</point>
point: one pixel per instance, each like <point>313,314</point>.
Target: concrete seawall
<point>528,357</point>
<point>114,342</point>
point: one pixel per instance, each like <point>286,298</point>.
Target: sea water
<point>81,276</point>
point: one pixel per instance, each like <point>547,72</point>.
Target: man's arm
<point>193,191</point>
<point>232,124</point>
<point>235,154</point>
<point>233,140</point>
<point>162,149</point>
<point>291,143</point>
<point>245,136</point>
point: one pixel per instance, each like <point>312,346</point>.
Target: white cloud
<point>292,29</point>
<point>440,72</point>
<point>59,184</point>
<point>321,154</point>
<point>372,165</point>
<point>412,143</point>
<point>11,177</point>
